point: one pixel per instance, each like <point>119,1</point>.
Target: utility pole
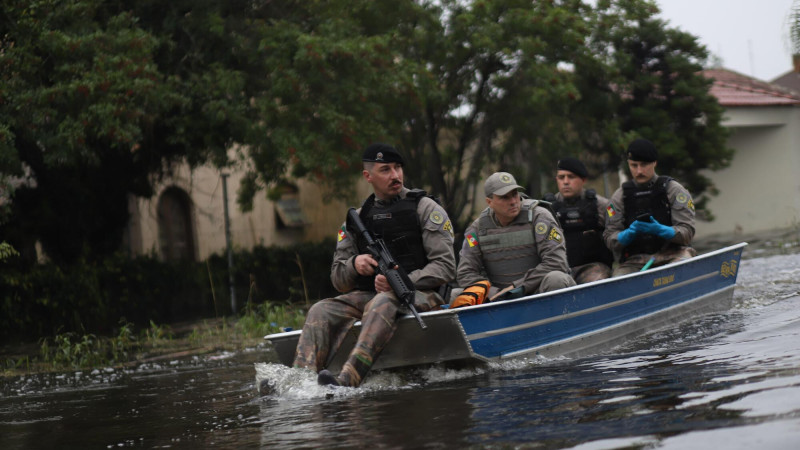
<point>228,239</point>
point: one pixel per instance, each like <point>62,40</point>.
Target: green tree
<point>490,91</point>
<point>99,98</point>
<point>660,93</point>
<point>514,85</point>
<point>79,93</point>
<point>793,22</point>
<point>331,82</point>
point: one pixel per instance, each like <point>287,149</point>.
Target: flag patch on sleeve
<point>611,210</point>
<point>342,235</point>
<point>471,240</point>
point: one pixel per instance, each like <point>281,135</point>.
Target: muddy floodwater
<point>729,380</point>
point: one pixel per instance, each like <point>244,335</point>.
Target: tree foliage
<point>520,84</point>
<point>99,98</point>
<point>793,20</point>
<point>660,93</point>
<point>80,91</point>
<point>494,92</point>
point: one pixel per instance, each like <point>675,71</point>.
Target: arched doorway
<point>175,228</point>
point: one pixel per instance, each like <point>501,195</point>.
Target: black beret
<point>383,153</point>
<point>574,166</point>
<point>642,150</point>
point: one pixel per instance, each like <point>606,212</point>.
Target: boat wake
<point>281,382</point>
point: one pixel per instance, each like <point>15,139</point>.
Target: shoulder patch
<point>685,199</point>
<point>471,240</point>
<point>448,227</point>
<point>611,210</point>
<point>554,235</point>
<point>342,234</point>
<point>541,228</point>
<point>437,217</point>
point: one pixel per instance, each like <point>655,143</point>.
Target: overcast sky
<point>751,36</point>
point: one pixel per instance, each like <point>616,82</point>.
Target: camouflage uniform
<point>592,271</point>
<point>551,270</point>
<point>329,320</point>
<point>682,212</point>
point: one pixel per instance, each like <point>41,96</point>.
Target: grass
<point>71,351</point>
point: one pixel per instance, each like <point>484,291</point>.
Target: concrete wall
<point>760,191</point>
<point>257,227</point>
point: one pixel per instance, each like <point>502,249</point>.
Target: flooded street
<point>729,380</point>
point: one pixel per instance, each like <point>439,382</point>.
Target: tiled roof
<point>735,89</point>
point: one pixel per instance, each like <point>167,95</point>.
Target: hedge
<point>92,297</point>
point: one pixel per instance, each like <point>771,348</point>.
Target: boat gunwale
<point>597,282</point>
<point>533,297</point>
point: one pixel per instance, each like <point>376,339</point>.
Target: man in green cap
<point>514,242</point>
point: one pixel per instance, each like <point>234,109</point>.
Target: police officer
<point>514,242</point>
<point>581,213</point>
<point>650,216</point>
<point>420,237</point>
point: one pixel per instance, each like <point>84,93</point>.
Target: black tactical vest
<point>646,201</point>
<point>583,231</point>
<point>398,225</point>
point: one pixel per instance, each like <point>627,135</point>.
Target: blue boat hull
<point>573,321</point>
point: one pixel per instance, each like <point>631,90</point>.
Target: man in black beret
<point>381,153</point>
<point>650,218</point>
<point>581,213</point>
<point>419,236</point>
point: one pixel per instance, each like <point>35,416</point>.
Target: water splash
<point>281,382</point>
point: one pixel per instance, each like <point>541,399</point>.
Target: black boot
<point>265,387</point>
<point>326,378</point>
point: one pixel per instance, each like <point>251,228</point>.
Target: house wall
<point>257,227</point>
<point>760,190</point>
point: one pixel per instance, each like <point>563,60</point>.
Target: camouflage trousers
<point>587,273</point>
<point>634,263</point>
<point>329,321</point>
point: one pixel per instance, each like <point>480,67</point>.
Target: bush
<point>46,299</point>
<point>275,274</point>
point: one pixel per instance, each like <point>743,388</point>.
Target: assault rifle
<point>398,278</point>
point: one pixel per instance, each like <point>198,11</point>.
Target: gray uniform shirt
<point>437,239</point>
<point>549,246</point>
<point>682,216</point>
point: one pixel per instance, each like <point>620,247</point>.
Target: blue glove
<point>627,235</point>
<point>655,228</point>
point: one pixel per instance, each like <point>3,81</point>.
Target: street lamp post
<point>228,239</point>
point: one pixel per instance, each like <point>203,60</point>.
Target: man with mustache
<point>515,243</point>
<point>650,217</point>
<point>418,234</point>
<point>581,213</point>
